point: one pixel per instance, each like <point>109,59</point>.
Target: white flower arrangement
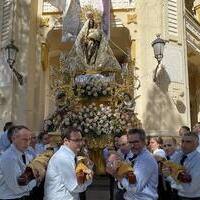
<point>95,120</point>
<point>93,86</point>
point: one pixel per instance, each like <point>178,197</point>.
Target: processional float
<point>93,93</point>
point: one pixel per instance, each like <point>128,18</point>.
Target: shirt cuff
<point>31,185</point>
<point>169,179</point>
<point>87,183</point>
<point>119,185</point>
<point>126,185</point>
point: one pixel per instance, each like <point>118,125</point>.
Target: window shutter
<point>5,22</point>
<point>172,17</point>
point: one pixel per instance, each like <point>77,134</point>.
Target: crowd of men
<point>153,179</point>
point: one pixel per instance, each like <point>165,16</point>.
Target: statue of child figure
<point>128,103</point>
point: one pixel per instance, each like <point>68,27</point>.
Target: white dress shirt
<point>61,182</point>
<point>11,167</point>
<point>192,165</point>
<point>4,142</point>
<point>159,152</point>
<point>169,179</point>
<point>146,172</point>
<point>174,154</point>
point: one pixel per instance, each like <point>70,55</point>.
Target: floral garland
<point>94,120</point>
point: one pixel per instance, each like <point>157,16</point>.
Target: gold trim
<point>44,56</point>
<point>44,22</point>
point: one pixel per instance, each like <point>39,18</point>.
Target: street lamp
<point>11,54</point>
<point>158,47</point>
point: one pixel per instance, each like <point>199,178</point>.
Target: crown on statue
<point>89,12</point>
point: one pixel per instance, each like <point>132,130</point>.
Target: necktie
<point>132,159</point>
<point>75,160</point>
<point>168,158</point>
<point>183,159</point>
<point>125,156</point>
<point>24,158</point>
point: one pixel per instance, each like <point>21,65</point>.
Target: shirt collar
<point>190,155</point>
<point>13,147</point>
<point>68,150</point>
<point>142,151</point>
<point>156,150</point>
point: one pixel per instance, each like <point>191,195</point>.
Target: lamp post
<point>158,47</point>
<point>11,54</point>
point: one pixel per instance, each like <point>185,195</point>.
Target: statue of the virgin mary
<point>91,51</point>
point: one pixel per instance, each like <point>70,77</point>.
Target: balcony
<point>115,5</point>
<point>192,32</point>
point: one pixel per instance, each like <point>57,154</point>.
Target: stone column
<point>24,98</point>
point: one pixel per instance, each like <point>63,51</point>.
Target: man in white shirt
<point>170,148</point>
<point>124,149</point>
<point>61,180</point>
<point>13,163</point>
<point>189,185</point>
<point>145,170</point>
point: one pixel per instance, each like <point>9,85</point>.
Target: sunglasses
<point>134,142</point>
<point>76,140</point>
<point>167,145</point>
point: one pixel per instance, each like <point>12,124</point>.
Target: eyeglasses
<point>134,142</point>
<point>123,144</point>
<point>109,164</point>
<point>76,140</point>
<point>112,163</point>
<point>186,141</point>
<point>167,145</point>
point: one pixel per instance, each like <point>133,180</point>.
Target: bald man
<point>124,147</point>
<point>13,163</point>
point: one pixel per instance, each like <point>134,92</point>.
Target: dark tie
<point>24,158</point>
<point>125,156</point>
<point>168,157</point>
<point>75,160</point>
<point>183,159</point>
<point>132,159</point>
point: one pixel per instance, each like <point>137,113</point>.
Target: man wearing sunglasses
<point>61,180</point>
